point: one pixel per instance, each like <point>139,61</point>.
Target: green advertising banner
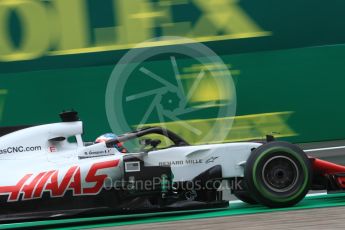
<point>212,71</point>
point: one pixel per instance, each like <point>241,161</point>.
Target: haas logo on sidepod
<point>48,182</point>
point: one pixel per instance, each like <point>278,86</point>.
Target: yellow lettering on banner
<point>169,26</point>
<point>139,18</point>
<point>33,19</point>
<point>63,25</point>
<point>136,21</point>
<point>223,16</point>
<point>72,24</point>
<point>130,29</point>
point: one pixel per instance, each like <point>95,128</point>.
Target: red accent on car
<point>98,179</point>
<point>59,190</point>
<point>48,181</point>
<point>39,189</point>
<point>14,190</point>
<point>327,167</point>
<point>76,184</point>
<point>29,188</point>
<point>341,181</point>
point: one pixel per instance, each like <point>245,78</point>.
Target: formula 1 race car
<point>48,171</point>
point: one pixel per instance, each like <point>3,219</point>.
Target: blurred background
<point>286,59</point>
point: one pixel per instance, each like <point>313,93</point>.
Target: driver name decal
<point>32,186</point>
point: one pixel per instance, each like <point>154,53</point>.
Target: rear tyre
<point>278,174</point>
<point>245,197</point>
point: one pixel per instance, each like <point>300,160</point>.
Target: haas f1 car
<point>49,171</point>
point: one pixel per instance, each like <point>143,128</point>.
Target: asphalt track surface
<point>315,211</point>
<point>326,218</point>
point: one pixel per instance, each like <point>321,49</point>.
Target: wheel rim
<point>280,174</point>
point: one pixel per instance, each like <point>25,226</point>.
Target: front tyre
<point>278,174</point>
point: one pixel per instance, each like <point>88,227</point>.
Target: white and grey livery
<point>43,165</point>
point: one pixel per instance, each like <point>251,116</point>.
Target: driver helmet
<point>109,136</point>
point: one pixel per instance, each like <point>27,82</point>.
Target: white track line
<point>324,149</point>
<point>316,194</point>
<point>235,202</point>
<point>308,195</point>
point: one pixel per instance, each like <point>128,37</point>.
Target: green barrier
<point>57,55</point>
<point>294,93</point>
